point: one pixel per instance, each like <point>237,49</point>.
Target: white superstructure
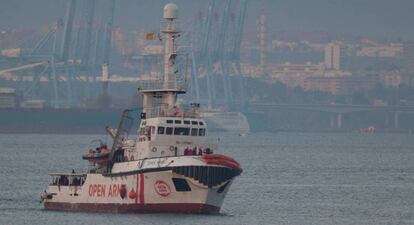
<point>168,167</point>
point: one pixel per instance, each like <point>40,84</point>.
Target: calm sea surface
<point>288,178</point>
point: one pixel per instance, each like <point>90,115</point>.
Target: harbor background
<point>341,73</point>
<point>70,66</point>
<point>288,178</point>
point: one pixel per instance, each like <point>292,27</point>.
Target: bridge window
<point>169,121</point>
<point>177,121</point>
<point>181,185</point>
<point>161,130</point>
<point>202,132</point>
<point>194,131</point>
<point>186,122</point>
<point>194,122</point>
<point>201,123</point>
<point>169,131</point>
<point>181,131</point>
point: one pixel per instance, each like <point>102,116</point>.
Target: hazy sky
<point>380,18</point>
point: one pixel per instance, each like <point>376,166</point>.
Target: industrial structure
<point>70,66</point>
<point>67,58</point>
<point>333,56</point>
<point>216,53</point>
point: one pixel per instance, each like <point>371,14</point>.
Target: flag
<point>150,36</point>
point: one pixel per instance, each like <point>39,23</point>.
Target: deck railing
<point>168,27</point>
<point>162,111</point>
<point>179,85</point>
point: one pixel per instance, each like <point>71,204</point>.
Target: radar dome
<point>170,11</point>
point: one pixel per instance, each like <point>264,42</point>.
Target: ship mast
<point>160,96</point>
<point>170,52</point>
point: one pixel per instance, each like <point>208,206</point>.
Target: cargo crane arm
<point>18,68</point>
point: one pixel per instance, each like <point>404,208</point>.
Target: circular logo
<point>162,188</point>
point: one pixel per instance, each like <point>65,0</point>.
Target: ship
<point>223,121</point>
<point>168,166</point>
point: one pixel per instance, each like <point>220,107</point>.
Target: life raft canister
<point>219,159</point>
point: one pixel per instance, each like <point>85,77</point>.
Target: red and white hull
<point>187,185</point>
<point>134,208</point>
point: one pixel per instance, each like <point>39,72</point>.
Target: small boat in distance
<point>168,166</point>
<point>370,129</point>
<point>233,122</point>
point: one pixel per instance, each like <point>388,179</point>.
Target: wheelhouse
<point>151,129</point>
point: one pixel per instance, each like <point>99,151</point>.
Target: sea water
<point>288,178</point>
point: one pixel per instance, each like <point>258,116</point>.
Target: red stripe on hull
<point>133,208</point>
<point>141,188</point>
<point>136,198</point>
